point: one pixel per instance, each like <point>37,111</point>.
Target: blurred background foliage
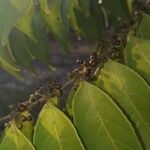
<point>27,26</point>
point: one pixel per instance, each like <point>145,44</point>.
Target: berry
<point>93,64</point>
<point>29,117</point>
<point>105,59</point>
<point>21,107</point>
<point>58,86</point>
<point>117,42</point>
<point>79,61</point>
<point>86,64</point>
<point>124,26</point>
<point>114,38</point>
<point>132,22</point>
<point>88,72</point>
<point>19,126</point>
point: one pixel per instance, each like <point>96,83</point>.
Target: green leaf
<point>15,73</point>
<point>25,24</point>
<point>55,131</point>
<point>137,56</point>
<point>89,26</point>
<point>39,48</point>
<point>85,6</point>
<point>130,5</point>
<point>145,27</point>
<point>13,139</point>
<point>116,11</point>
<point>51,11</point>
<point>27,129</point>
<point>100,122</point>
<point>131,92</point>
<point>25,49</point>
<point>8,64</point>
<point>11,11</point>
<point>86,21</point>
<point>6,59</point>
<point>73,4</point>
<point>117,8</point>
<point>20,49</point>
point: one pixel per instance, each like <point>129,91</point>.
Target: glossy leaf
<point>51,11</point>
<point>13,139</point>
<point>20,49</point>
<point>11,11</point>
<point>131,92</point>
<point>55,131</point>
<point>137,56</point>
<point>145,27</point>
<point>100,122</point>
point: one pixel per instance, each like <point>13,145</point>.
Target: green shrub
<point>108,106</point>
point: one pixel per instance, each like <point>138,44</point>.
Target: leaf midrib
<point>55,127</point>
<point>110,137</point>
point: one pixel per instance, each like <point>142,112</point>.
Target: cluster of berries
<point>85,68</point>
<point>19,119</point>
<point>110,47</point>
<point>41,95</point>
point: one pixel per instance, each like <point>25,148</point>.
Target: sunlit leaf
<point>55,131</point>
<point>13,139</point>
<point>131,93</point>
<point>100,122</point>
